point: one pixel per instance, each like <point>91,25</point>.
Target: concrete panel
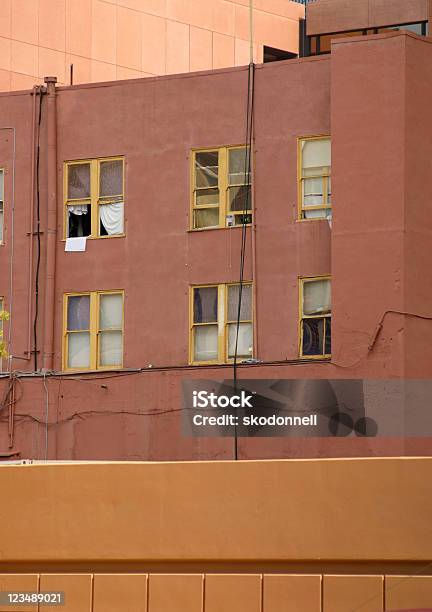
<point>292,593</point>
<point>336,16</point>
<point>408,592</point>
<point>77,589</point>
<point>343,593</point>
<point>20,583</point>
<point>382,12</point>
<point>125,592</point>
<point>176,592</point>
<point>232,593</point>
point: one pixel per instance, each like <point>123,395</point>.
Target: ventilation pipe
<point>51,236</point>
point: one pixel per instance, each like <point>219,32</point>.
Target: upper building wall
<point>326,16</point>
<point>122,39</point>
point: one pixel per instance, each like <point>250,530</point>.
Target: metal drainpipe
<point>51,237</point>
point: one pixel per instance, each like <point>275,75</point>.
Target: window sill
<point>309,220</point>
<point>229,362</point>
<point>72,371</point>
<point>314,357</point>
<point>207,229</point>
<point>99,237</point>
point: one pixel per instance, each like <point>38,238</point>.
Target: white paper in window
<point>316,153</point>
<point>317,297</point>
<point>76,245</point>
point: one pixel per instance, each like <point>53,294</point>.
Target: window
<point>315,317</point>
<point>276,55</point>
<point>214,313</point>
<point>1,335</point>
<point>1,204</point>
<point>94,200</point>
<point>93,330</point>
<point>315,178</point>
<point>221,188</point>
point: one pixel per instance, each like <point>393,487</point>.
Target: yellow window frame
<point>302,317</point>
<point>2,203</point>
<point>1,329</point>
<point>94,330</point>
<point>326,205</point>
<point>95,199</point>
<point>223,187</point>
<point>222,323</point>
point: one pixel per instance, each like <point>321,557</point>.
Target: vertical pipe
<point>251,54</point>
<point>48,344</point>
<point>12,247</point>
<point>35,93</point>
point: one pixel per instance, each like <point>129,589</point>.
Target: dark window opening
<point>277,55</point>
<point>79,220</point>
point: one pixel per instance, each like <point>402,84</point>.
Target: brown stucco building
<point>100,339</point>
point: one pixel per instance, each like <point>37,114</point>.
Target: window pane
<point>111,178</point>
<point>317,213</point>
<point>206,169</point>
<point>79,220</point>
<point>239,198</point>
<point>413,27</point>
<point>205,304</point>
<point>327,345</point>
<point>313,334</point>
<point>244,342</point>
<point>78,181</point>
<point>111,219</point>
<point>110,348</point>
<point>78,312</point>
<point>79,350</point>
<point>110,311</point>
<point>329,192</point>
<point>316,153</point>
<point>317,297</point>
<point>208,217</point>
<point>233,302</point>
<point>238,166</point>
<point>206,197</point>
<point>1,222</point>
<point>206,343</point>
<point>312,191</point>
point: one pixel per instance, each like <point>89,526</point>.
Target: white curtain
<point>79,350</point>
<point>111,311</point>
<point>317,297</point>
<point>111,216</point>
<point>110,348</point>
<point>78,209</point>
<point>206,342</point>
<point>244,342</point>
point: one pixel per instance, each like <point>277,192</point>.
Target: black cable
<point>245,215</point>
<point>35,350</point>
